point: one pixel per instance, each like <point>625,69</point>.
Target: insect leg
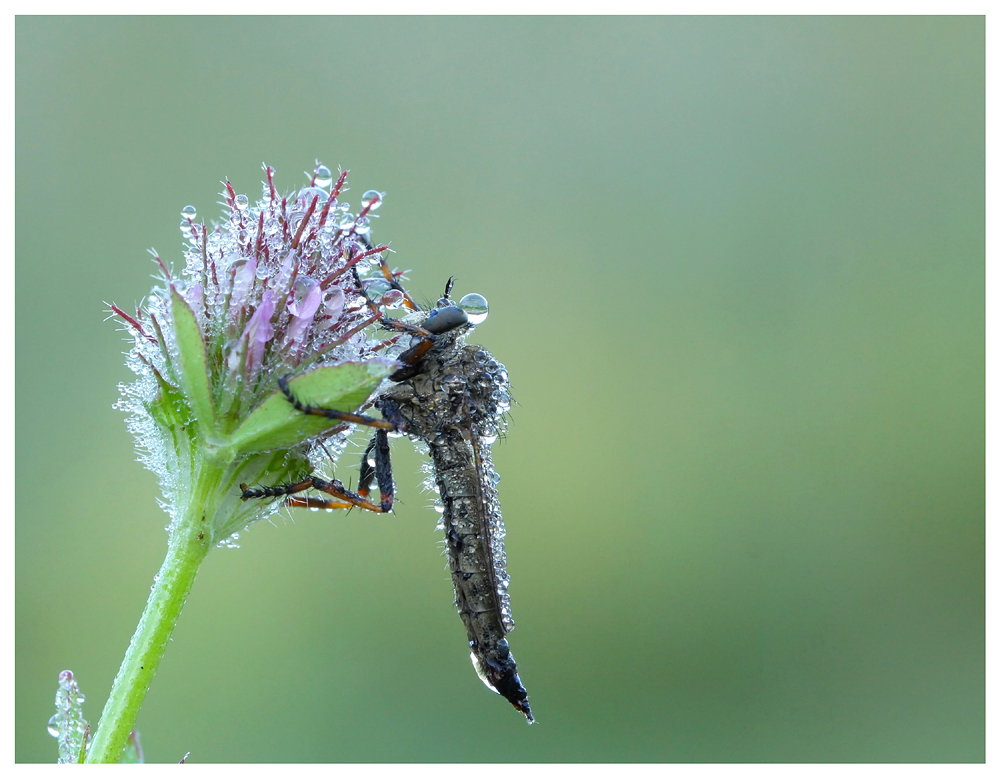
<point>343,497</point>
<point>330,413</point>
<point>287,490</point>
<point>381,472</point>
<point>391,278</point>
<point>415,353</point>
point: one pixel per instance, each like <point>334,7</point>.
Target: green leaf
<point>193,364</point>
<point>343,387</point>
<point>168,408</point>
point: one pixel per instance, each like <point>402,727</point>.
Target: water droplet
<point>229,542</point>
<point>475,307</point>
<point>346,221</point>
<point>241,202</point>
<point>363,226</point>
<point>489,440</point>
<point>314,509</point>
<point>322,176</point>
<point>392,299</point>
<point>439,508</point>
<point>377,287</point>
<point>54,726</point>
<point>189,212</point>
<point>373,198</point>
<point>307,194</point>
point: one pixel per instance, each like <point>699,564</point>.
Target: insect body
<point>453,397</point>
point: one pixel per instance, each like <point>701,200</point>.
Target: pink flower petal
<point>302,314</point>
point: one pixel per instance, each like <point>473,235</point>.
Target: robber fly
<point>452,397</point>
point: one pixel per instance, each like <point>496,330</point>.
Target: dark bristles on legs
<point>343,497</point>
<point>381,472</point>
<point>330,413</point>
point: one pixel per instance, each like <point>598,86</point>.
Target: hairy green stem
<point>189,543</point>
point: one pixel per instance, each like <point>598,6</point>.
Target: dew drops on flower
<point>372,200</point>
<point>310,192</point>
<point>272,287</point>
<point>322,176</point>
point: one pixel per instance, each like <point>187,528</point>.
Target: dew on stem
<point>68,726</point>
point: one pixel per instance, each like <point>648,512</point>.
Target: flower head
<point>272,290</point>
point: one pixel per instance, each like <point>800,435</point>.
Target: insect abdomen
<point>473,537</point>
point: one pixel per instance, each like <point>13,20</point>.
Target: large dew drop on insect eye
<point>475,307</point>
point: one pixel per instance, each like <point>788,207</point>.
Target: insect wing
<point>492,529</point>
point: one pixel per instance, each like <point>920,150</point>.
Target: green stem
<point>189,542</point>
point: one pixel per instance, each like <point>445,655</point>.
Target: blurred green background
<point>736,273</point>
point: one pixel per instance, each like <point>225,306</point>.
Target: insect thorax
<point>457,387</point>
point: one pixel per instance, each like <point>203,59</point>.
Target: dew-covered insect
<point>452,397</point>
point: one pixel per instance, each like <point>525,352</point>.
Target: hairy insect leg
<point>415,353</point>
<point>389,276</point>
<point>330,413</point>
<point>343,497</point>
<point>381,472</point>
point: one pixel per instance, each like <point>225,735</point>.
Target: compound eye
<point>475,307</point>
<point>444,319</point>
